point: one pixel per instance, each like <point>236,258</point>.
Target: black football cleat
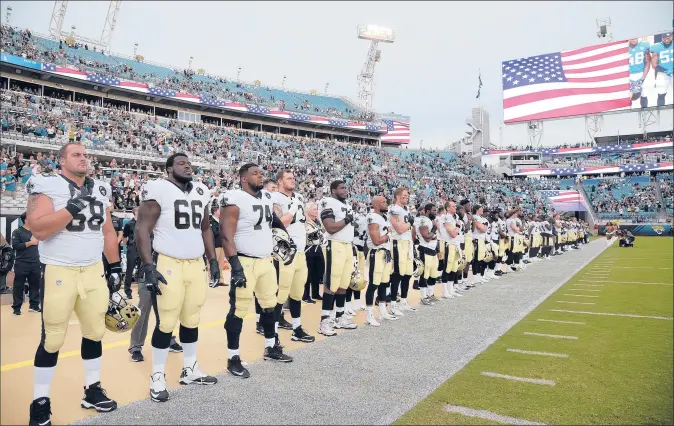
<point>40,412</point>
<point>237,369</point>
<point>96,398</point>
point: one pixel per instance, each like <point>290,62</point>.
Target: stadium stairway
<point>662,212</point>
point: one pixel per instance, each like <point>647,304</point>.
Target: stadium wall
<point>664,230</point>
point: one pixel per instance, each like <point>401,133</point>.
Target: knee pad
<point>160,339</point>
<point>44,358</point>
<point>91,349</point>
<point>188,335</point>
<point>54,341</point>
<point>233,324</point>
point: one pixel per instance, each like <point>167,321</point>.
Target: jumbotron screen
<point>620,75</point>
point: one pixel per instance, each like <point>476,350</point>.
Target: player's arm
<point>207,235</point>
<point>276,222</point>
<point>451,229</point>
<point>399,224</point>
<point>330,224</point>
<point>110,242</point>
<point>513,226</point>
<point>426,234</point>
<point>654,60</point>
<point>229,216</point>
<point>377,239</point>
<point>43,221</point>
<point>481,227</point>
<point>148,214</point>
<point>647,63</point>
<point>287,217</point>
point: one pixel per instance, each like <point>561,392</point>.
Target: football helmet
<point>358,282</point>
<point>283,248</point>
<point>462,263</point>
<point>488,254</point>
<point>315,235</point>
<point>121,315</point>
<point>636,85</point>
<point>418,268</point>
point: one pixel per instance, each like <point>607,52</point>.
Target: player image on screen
<point>640,64</point>
<point>661,60</point>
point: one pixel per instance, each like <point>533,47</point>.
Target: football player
<point>175,210</point>
<point>469,249</point>
<point>513,232</point>
<point>662,59</point>
<point>246,221</point>
<point>289,207</point>
<point>481,225</point>
<point>359,239</point>
<point>428,244</point>
<point>379,260</point>
<point>454,226</point>
<point>70,215</point>
<point>402,224</point>
<point>337,218</point>
<point>640,64</point>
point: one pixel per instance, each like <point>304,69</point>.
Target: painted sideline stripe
<point>519,379</point>
<point>576,303</point>
<point>488,415</point>
<point>578,295</point>
<point>582,289</point>
<point>638,267</point>
<point>612,314</point>
<point>623,282</point>
<point>520,351</point>
<point>554,336</point>
<point>561,322</point>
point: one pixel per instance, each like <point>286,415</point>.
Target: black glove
<point>152,278</point>
<point>387,256</point>
<point>115,277</point>
<point>238,276</point>
<point>293,246</point>
<point>77,204</point>
<point>214,268</point>
<point>409,218</point>
<point>348,218</point>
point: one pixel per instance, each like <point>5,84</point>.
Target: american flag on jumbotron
<point>397,132</point>
<point>567,201</point>
<point>573,82</point>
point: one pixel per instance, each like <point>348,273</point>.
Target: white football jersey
<point>425,221</point>
<point>80,243</point>
<point>253,235</point>
<point>480,235</point>
<point>384,229</point>
<point>332,208</point>
<point>510,222</point>
<point>298,225</point>
<point>452,220</point>
<point>443,235</point>
<point>502,226</point>
<point>359,230</point>
<point>177,233</point>
<point>494,227</point>
<point>401,212</point>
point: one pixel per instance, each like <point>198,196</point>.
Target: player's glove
<point>348,218</point>
<point>152,278</point>
<point>293,247</point>
<point>214,268</point>
<point>387,256</point>
<point>409,218</point>
<point>115,277</point>
<point>77,204</point>
<point>238,276</point>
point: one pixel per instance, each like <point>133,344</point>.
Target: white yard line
<point>554,336</point>
<point>639,267</point>
<point>576,303</point>
<point>590,285</point>
<point>579,295</point>
<point>582,289</point>
<point>519,379</point>
<point>521,351</point>
<point>623,282</point>
<point>561,322</point>
<point>488,415</point>
<point>612,314</point>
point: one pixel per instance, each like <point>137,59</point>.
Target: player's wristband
<point>116,267</point>
<point>73,209</point>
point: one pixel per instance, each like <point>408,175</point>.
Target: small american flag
<point>573,82</point>
<point>397,132</point>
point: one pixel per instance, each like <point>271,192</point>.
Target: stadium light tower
<point>59,13</point>
<point>375,34</point>
<point>8,14</point>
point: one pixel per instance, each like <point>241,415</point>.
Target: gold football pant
<point>430,264</point>
<point>338,265</point>
<point>361,262</point>
<point>451,258</point>
<point>184,294</point>
<point>82,289</point>
<point>503,244</point>
<point>291,279</point>
<point>481,250</point>
<point>260,281</point>
<point>403,261</point>
<point>379,268</point>
<point>469,250</point>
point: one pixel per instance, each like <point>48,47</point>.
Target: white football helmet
<point>283,248</point>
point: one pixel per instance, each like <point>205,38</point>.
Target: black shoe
<point>129,295</point>
<point>317,297</point>
<point>277,342</point>
<point>6,290</point>
<point>40,412</point>
<point>308,300</point>
<point>235,367</point>
<point>34,310</point>
<point>16,312</point>
<point>259,329</point>
<point>95,397</point>
<point>275,353</point>
<point>498,273</point>
<point>137,356</point>
<point>299,335</point>
<point>284,324</point>
<point>175,347</point>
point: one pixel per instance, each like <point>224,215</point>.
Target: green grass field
<point>617,371</point>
